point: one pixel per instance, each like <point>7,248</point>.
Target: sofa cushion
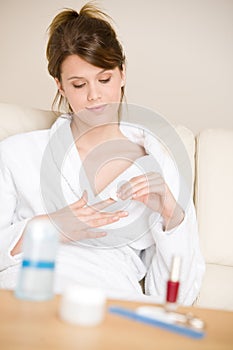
<point>217,288</point>
<point>214,194</point>
<point>15,119</point>
<point>188,139</point>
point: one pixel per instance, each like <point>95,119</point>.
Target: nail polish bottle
<point>173,284</point>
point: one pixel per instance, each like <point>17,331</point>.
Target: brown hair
<point>88,34</point>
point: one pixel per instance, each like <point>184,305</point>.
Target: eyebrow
<point>76,77</point>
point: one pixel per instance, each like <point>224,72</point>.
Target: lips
<point>98,108</point>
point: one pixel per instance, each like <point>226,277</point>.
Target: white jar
<point>83,306</point>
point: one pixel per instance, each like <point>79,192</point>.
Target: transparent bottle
<point>36,276</point>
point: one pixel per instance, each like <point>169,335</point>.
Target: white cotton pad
<point>83,306</point>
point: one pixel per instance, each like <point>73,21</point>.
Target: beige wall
<point>179,52</point>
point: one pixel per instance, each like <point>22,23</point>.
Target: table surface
<point>36,325</point>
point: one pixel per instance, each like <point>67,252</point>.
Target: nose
<point>93,93</point>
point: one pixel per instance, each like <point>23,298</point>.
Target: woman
<point>84,165</point>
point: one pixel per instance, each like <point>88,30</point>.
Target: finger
<point>81,202</point>
<point>82,234</point>
<point>84,211</point>
<point>103,204</point>
<point>108,217</point>
<point>138,179</point>
<point>103,221</point>
<point>121,213</point>
<point>87,212</point>
<point>127,187</point>
<point>85,196</point>
<point>131,188</point>
<point>94,234</point>
<point>150,184</point>
<point>92,208</point>
<point>158,190</point>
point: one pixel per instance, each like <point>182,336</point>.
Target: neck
<point>89,137</point>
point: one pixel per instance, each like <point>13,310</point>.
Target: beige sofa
<point>211,155</point>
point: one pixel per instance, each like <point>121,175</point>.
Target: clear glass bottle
<point>36,276</point>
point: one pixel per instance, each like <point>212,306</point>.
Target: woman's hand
<point>152,190</point>
<point>75,221</point>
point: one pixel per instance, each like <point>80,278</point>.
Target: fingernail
<point>102,234</point>
<point>115,218</point>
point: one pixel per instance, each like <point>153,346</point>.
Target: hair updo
<point>87,34</point>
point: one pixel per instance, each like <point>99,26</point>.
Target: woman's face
<point>87,87</point>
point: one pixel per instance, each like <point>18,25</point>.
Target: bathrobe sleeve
<point>10,232</point>
<point>182,240</point>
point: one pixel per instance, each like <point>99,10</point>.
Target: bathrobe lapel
<point>63,181</point>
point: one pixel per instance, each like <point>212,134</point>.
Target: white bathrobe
<point>41,171</point>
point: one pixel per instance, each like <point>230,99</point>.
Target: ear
<point>123,76</point>
<point>59,86</point>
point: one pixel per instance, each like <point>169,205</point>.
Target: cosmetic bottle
<point>36,275</point>
<point>173,284</point>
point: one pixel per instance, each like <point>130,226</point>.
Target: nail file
<point>158,322</point>
<point>113,194</point>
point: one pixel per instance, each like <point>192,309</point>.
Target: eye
<point>105,81</point>
<point>79,86</point>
